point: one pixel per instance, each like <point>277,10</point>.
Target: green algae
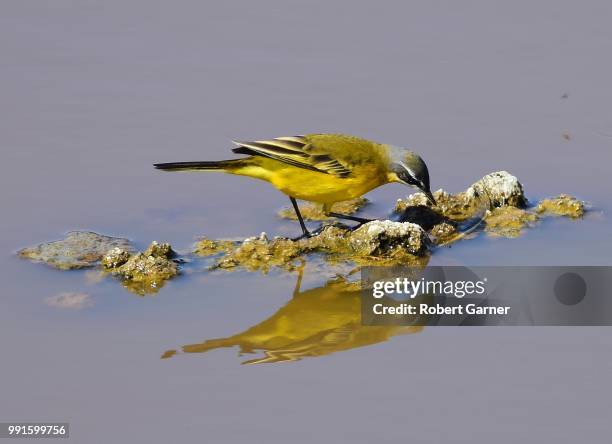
<point>562,205</point>
<point>509,221</point>
<point>208,247</point>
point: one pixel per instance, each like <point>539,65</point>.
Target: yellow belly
<point>323,188</point>
<point>311,185</point>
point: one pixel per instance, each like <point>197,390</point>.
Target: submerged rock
<point>144,272</point>
<point>562,205</point>
<point>70,300</point>
<point>313,211</point>
<point>80,249</point>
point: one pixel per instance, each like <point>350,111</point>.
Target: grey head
<point>408,168</point>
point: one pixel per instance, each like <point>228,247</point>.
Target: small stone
<point>115,258</point>
<point>500,188</point>
<point>163,250</point>
<point>381,237</point>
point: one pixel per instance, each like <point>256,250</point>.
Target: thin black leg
<point>305,231</point>
<point>361,220</point>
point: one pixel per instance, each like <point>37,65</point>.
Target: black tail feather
<point>200,165</point>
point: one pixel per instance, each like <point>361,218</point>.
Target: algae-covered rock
<point>495,189</point>
<point>209,247</point>
<point>163,250</point>
<point>143,272</point>
<point>455,207</point>
<point>562,205</point>
<point>500,188</point>
<point>373,241</point>
<point>508,221</point>
<point>80,249</point>
<point>256,253</point>
<point>115,258</point>
<point>313,211</point>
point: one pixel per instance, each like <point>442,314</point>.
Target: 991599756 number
<point>34,430</point>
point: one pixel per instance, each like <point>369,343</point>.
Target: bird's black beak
<point>430,197</point>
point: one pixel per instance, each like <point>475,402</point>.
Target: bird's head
<point>407,167</point>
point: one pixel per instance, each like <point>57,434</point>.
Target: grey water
<point>93,93</point>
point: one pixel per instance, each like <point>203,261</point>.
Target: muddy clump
<point>79,249</point>
<point>144,272</point>
<point>314,212</point>
<point>562,205</point>
<point>374,241</point>
<point>209,247</point>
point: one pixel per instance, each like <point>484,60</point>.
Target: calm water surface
<point>92,93</point>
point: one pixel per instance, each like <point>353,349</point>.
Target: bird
<point>320,168</point>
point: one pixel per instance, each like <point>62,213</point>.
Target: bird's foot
<point>308,234</point>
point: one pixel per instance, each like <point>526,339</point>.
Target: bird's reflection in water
<point>315,322</point>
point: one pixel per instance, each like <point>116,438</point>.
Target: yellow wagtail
<point>323,168</point>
